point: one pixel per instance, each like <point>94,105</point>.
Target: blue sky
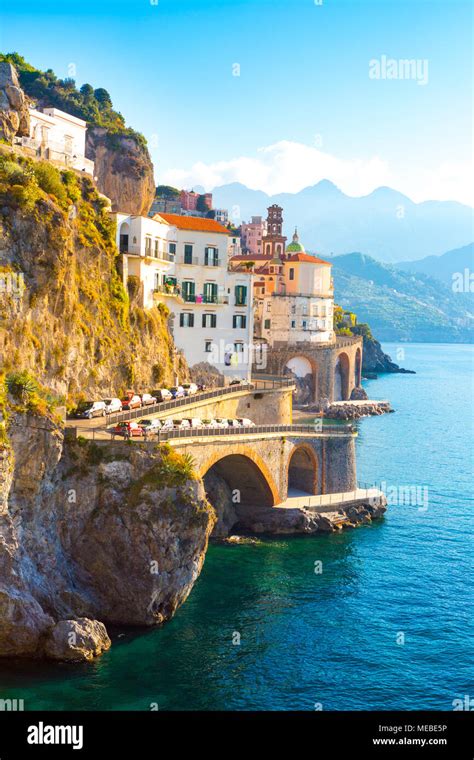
<point>303,107</point>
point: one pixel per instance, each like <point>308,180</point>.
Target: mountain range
<point>402,305</point>
<point>385,224</point>
<point>445,267</point>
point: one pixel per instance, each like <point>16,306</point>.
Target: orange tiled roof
<point>197,223</point>
<point>294,257</point>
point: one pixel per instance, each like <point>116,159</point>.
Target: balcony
<point>212,262</point>
<point>190,261</point>
<point>151,255</point>
<point>167,290</point>
<point>205,299</point>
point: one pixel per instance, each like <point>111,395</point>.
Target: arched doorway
<point>341,378</point>
<point>305,375</point>
<point>124,237</point>
<point>302,471</point>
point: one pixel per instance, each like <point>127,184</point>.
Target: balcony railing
<point>204,298</point>
<point>167,290</point>
<point>134,250</point>
<point>190,260</point>
<point>212,262</point>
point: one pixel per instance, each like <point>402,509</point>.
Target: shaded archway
<point>124,240</point>
<point>305,373</point>
<point>303,470</point>
<point>341,378</point>
<point>358,368</point>
<point>248,479</point>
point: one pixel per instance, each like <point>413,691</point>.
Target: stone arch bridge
<point>262,467</point>
<point>332,370</point>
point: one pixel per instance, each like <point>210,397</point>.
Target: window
<point>239,348</point>
<point>303,324</point>
<point>269,306</point>
<point>188,253</point>
<point>210,292</point>
<point>189,293</point>
<point>211,257</point>
<point>293,324</point>
<point>239,321</point>
<point>172,248</point>
<point>292,274</point>
<point>240,295</point>
<point>208,346</point>
<point>209,320</point>
<point>267,324</point>
<point>148,246</point>
<point>157,248</point>
<point>186,319</point>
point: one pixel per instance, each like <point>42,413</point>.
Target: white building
<point>58,137</point>
<point>211,306</point>
<point>147,247</point>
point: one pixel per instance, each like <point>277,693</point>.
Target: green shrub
<point>49,180</point>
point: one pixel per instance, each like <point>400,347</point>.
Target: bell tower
<point>273,243</point>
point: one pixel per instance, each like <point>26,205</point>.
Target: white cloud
<point>289,166</point>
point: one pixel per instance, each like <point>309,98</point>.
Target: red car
<point>127,429</point>
<point>131,402</point>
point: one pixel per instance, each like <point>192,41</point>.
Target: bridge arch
<point>247,473</point>
<point>305,370</point>
<point>342,377</point>
<point>303,469</point>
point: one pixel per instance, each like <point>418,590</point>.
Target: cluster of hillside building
<point>231,293</point>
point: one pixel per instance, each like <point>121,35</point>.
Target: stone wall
<point>262,407</point>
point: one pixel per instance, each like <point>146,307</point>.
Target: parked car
<point>222,422</point>
<point>195,422</point>
<point>210,423</point>
<point>245,422</point>
<point>150,426</point>
<point>148,399</point>
<point>162,394</point>
<point>177,391</point>
<point>239,381</point>
<point>127,429</point>
<point>202,386</point>
<point>167,424</point>
<point>112,405</point>
<point>190,389</point>
<point>89,409</point>
<point>181,424</point>
<point>234,423</point>
<point>131,402</point>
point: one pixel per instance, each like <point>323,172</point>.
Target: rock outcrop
<point>375,361</point>
<point>115,534</point>
<point>14,113</point>
<point>123,169</point>
<point>76,640</point>
<point>353,410</point>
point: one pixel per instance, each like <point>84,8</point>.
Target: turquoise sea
<point>389,622</point>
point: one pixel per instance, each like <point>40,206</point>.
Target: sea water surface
<point>389,622</point>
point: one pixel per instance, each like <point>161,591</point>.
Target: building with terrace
<point>58,137</point>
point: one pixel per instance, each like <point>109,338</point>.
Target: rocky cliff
<point>67,317</point>
<point>374,360</point>
<point>14,113</point>
<point>123,170</point>
<point>92,535</point>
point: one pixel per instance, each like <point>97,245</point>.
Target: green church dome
<point>295,246</point>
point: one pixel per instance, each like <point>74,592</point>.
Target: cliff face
<point>72,325</point>
<point>123,169</point>
<point>87,534</point>
<point>14,113</point>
